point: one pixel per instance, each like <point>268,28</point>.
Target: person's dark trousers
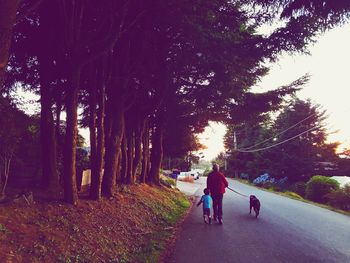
<point>217,205</point>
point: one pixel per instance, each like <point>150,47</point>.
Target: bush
<point>347,189</point>
<point>167,181</point>
<point>340,198</point>
<point>206,172</point>
<point>266,185</point>
<point>277,188</point>
<point>318,186</point>
<point>244,176</point>
<point>299,188</point>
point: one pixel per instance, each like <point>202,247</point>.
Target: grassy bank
<point>133,227</point>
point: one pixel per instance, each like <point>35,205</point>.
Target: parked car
<point>194,174</point>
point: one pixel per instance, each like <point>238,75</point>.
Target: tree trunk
<point>8,10</point>
<point>93,142</point>
<point>130,156</point>
<point>50,178</point>
<point>124,161</point>
<point>145,154</point>
<point>156,153</point>
<point>108,121</point>
<point>138,145</point>
<point>118,174</point>
<point>58,115</point>
<point>48,135</point>
<point>70,184</point>
<point>112,152</point>
<point>4,176</point>
<point>96,183</point>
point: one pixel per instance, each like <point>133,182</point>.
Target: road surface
<point>287,230</point>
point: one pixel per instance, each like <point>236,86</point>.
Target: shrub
<point>206,172</point>
<point>266,185</point>
<point>299,188</point>
<point>277,188</point>
<point>347,189</point>
<point>282,183</point>
<point>340,198</point>
<point>318,186</point>
<point>244,176</point>
<point>167,181</point>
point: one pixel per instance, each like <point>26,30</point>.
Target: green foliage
<point>268,185</point>
<point>13,124</point>
<point>182,123</point>
<point>83,160</point>
<point>181,205</point>
<point>156,241</point>
<point>220,160</point>
<point>296,158</point>
<point>313,15</point>
<point>167,181</point>
<point>340,198</point>
<point>19,143</point>
<point>299,188</point>
<point>277,188</point>
<point>184,62</point>
<point>206,172</point>
<point>19,147</point>
<point>319,186</point>
<point>3,229</point>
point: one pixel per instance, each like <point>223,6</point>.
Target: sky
<point>329,86</point>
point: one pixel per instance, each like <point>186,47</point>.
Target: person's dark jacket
<point>216,183</point>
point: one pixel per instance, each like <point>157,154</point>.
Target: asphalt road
<point>287,230</point>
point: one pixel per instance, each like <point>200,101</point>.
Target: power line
<point>274,145</point>
<point>247,149</point>
<point>266,140</point>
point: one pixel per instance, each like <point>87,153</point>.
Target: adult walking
<point>216,183</point>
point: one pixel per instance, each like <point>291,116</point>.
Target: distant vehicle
<point>198,171</point>
<point>194,174</point>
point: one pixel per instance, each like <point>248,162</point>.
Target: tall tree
<point>298,158</point>
<point>290,146</point>
<point>9,13</point>
<point>13,123</point>
<point>8,10</point>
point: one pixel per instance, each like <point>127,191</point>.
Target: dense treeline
<point>136,67</point>
<point>292,145</point>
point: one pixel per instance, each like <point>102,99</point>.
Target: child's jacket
<point>207,201</point>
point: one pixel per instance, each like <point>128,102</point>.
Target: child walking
<point>207,203</point>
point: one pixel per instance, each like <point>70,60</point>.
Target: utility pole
<point>225,162</point>
<point>235,147</point>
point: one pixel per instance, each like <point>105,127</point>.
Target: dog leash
<point>236,192</point>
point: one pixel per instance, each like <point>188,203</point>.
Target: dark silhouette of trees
<point>143,71</point>
<point>13,123</point>
<point>297,158</point>
<point>8,10</point>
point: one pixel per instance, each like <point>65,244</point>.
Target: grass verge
<point>295,196</point>
<point>133,227</point>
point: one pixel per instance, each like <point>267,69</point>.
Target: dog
<point>254,203</point>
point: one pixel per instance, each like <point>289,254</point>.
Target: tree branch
<point>24,13</point>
